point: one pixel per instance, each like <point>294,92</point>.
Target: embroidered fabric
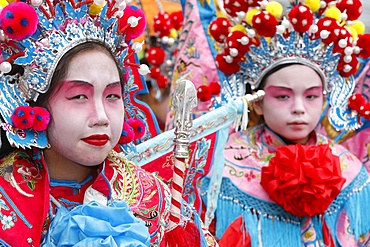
<point>240,203</point>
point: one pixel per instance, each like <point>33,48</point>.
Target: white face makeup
<point>87,111</point>
<point>293,102</point>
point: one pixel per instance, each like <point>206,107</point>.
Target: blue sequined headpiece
<point>61,26</point>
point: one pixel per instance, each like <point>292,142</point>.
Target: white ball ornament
<point>36,3</point>
<point>143,69</point>
<point>5,67</point>
<point>99,2</point>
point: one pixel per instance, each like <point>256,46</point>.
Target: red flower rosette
<point>304,180</point>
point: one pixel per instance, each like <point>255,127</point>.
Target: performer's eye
<point>78,97</point>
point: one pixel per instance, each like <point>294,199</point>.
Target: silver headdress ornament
<point>324,35</point>
<point>36,35</point>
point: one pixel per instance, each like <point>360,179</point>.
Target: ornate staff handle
<point>184,101</point>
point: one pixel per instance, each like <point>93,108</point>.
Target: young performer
<point>283,184</point>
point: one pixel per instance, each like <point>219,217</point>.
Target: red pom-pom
<point>162,81</point>
<point>162,24</point>
<point>224,66</point>
<point>127,134</point>
<point>155,56</point>
<point>365,111</point>
<point>233,7</point>
<point>131,14</point>
<point>183,237</point>
<point>238,41</point>
<point>356,101</point>
<point>347,65</point>
<point>219,29</point>
<point>138,126</point>
<point>215,87</point>
<point>155,72</point>
<point>177,19</point>
<point>352,8</point>
<point>18,20</point>
<point>304,180</point>
<point>42,118</point>
<point>265,24</point>
<point>363,42</point>
<point>23,117</point>
<point>326,27</point>
<point>301,18</point>
<point>344,39</point>
<point>204,93</point>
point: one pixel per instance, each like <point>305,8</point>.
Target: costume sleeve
<point>96,225</point>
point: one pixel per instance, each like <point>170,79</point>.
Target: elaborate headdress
<point>34,37</point>
<point>256,37</point>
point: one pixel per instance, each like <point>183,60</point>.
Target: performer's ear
<point>257,106</point>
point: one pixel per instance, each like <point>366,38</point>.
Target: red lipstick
<point>96,140</point>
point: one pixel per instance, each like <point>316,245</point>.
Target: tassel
<point>183,237</point>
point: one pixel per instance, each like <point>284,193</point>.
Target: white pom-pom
<point>137,47</point>
<point>165,39</point>
<point>251,33</point>
<point>133,21</point>
<point>324,34</point>
<point>122,5</point>
<point>244,40</point>
<point>2,35</point>
<point>314,29</point>
<point>348,51</point>
<point>322,4</point>
<point>347,59</point>
<point>144,69</point>
<point>99,2</point>
<point>36,3</point>
<point>342,43</point>
<point>263,4</point>
<point>169,62</point>
<point>119,13</point>
<point>171,41</point>
<point>5,67</point>
<point>241,15</point>
<point>234,52</point>
<point>347,68</point>
<point>280,29</point>
<point>285,22</point>
<point>356,50</point>
<point>228,59</point>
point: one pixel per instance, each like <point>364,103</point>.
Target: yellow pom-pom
<point>333,12</point>
<point>352,31</point>
<point>95,8</point>
<point>3,3</point>
<point>173,33</point>
<point>314,5</point>
<point>359,26</point>
<point>238,27</point>
<point>275,9</point>
<point>249,16</point>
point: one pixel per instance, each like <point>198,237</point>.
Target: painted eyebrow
<point>289,89</point>
<point>81,82</point>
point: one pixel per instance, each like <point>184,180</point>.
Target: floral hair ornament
<point>34,37</point>
<point>256,37</point>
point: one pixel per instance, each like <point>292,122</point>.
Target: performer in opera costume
<point>282,183</point>
<point>63,181</point>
